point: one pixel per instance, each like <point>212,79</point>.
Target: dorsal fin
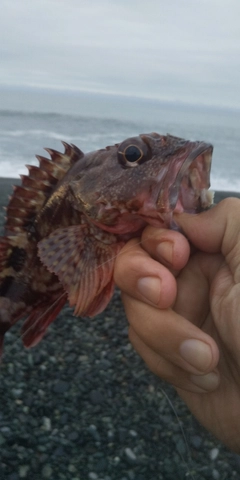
<point>36,187</point>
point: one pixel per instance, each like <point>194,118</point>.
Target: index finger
<point>141,277</point>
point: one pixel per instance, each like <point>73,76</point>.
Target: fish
<point>71,215</point>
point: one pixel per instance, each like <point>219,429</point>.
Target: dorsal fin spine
<point>36,187</point>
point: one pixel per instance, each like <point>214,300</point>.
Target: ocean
<point>92,122</point>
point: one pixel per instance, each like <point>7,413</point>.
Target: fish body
<point>70,217</point>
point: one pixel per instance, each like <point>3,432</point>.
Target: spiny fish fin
<point>84,265</point>
<point>10,312</point>
<point>38,321</point>
<point>36,187</point>
<point>65,160</point>
<point>4,252</point>
<point>12,255</point>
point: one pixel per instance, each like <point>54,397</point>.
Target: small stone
<point>101,465</point>
<point>59,452</point>
<point>41,392</point>
<point>133,433</point>
<point>13,476</point>
<point>72,468</point>
<point>6,431</point>
<point>214,453</point>
<point>52,359</point>
<point>28,401</point>
<point>104,364</point>
<point>47,471</point>
<point>83,358</point>
<point>92,476</point>
<point>23,471</point>
<point>96,397</point>
<point>93,430</point>
<point>110,435</point>
<point>181,447</point>
<point>64,418</point>
<point>131,475</point>
<point>215,474</point>
<point>151,388</point>
<point>2,439</point>
<point>106,420</point>
<point>131,457</point>
<point>73,436</point>
<point>30,359</point>
<point>47,424</point>
<point>124,332</point>
<point>122,435</point>
<point>61,387</point>
<point>17,392</point>
<point>43,458</point>
<point>196,441</point>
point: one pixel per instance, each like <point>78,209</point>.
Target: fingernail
<point>197,353</point>
<point>206,382</point>
<point>165,250</point>
<point>150,288</point>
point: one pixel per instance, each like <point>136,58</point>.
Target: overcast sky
<point>184,50</point>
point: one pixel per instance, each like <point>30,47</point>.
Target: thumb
<point>214,231</point>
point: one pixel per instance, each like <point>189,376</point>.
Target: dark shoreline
<point>82,405</point>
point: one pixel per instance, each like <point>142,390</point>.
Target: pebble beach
<point>82,405</point>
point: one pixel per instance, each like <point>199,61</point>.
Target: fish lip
<point>205,150</point>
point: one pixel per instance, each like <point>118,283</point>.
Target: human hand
<point>184,311</point>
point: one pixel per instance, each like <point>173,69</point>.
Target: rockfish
<point>70,217</point>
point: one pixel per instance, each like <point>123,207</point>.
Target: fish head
<point>143,180</point>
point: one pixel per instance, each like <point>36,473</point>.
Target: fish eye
<point>133,154</point>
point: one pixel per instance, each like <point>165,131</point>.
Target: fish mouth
<point>189,191</point>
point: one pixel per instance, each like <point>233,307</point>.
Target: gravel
<point>82,405</point>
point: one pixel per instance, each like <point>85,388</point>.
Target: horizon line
<point>80,91</point>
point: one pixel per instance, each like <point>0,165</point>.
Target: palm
<point>208,282</point>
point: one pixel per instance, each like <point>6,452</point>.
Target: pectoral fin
<point>84,265</point>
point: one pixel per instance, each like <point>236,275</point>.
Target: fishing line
<point>189,474</point>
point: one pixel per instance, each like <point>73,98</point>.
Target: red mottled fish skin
<point>71,216</point>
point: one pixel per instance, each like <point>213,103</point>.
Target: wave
<point>34,133</point>
<point>225,184</point>
<point>58,136</point>
<point>8,170</point>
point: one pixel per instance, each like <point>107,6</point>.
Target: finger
<point>172,373</point>
<point>167,246</point>
<point>172,337</point>
<point>142,277</point>
<point>216,231</point>
<point>192,301</point>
